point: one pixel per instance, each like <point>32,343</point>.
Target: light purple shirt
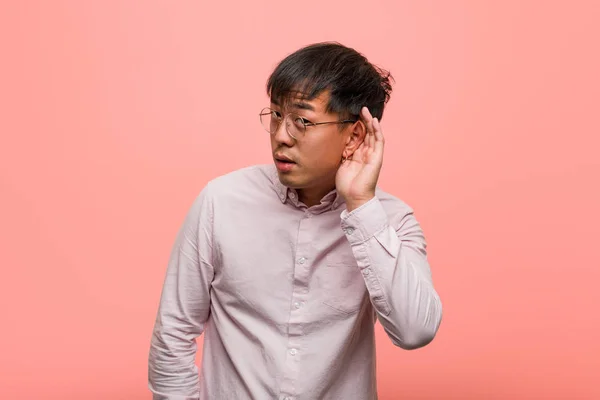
<point>287,296</point>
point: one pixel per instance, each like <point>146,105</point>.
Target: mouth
<point>283,159</point>
<point>283,163</point>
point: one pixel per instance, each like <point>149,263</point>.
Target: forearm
<point>172,372</point>
<point>183,310</point>
<point>413,312</point>
<point>392,259</point>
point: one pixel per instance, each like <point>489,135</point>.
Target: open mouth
<point>283,164</point>
<point>283,159</point>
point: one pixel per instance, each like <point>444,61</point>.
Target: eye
<point>302,121</point>
<point>275,114</point>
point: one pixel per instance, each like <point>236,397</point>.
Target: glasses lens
<point>267,120</point>
<point>295,126</point>
<point>270,120</point>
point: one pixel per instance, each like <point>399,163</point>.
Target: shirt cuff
<point>362,223</point>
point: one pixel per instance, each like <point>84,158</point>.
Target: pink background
<point>114,114</point>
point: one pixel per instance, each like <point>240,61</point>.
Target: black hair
<point>352,81</point>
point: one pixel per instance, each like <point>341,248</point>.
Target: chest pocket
<point>343,284</point>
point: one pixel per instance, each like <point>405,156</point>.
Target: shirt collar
<point>330,200</point>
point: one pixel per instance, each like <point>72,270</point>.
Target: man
<point>286,268</point>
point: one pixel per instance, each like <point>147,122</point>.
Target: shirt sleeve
<point>391,254</point>
<point>184,307</point>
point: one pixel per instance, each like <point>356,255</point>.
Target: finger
<point>366,114</point>
<point>371,137</point>
<point>367,119</point>
<point>378,136</point>
<point>377,130</point>
<point>368,141</point>
<point>368,122</point>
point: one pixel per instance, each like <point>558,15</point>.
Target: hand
<point>357,177</point>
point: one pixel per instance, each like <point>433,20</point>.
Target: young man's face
<point>317,154</point>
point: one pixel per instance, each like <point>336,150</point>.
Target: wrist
<point>353,204</point>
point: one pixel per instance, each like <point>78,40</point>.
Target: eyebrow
<point>301,105</point>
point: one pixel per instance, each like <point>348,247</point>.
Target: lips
<point>283,158</point>
<point>284,163</point>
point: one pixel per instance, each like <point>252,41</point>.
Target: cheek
<point>322,155</point>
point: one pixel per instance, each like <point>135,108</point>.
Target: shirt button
<point>366,271</point>
<point>302,260</point>
<point>297,305</point>
<point>293,352</point>
<point>350,231</point>
<point>292,195</point>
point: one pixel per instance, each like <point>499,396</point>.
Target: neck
<point>313,196</point>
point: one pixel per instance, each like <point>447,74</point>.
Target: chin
<point>290,181</point>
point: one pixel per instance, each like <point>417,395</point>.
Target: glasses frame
<point>268,111</point>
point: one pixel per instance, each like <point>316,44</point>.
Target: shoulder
<point>227,192</point>
<point>239,182</point>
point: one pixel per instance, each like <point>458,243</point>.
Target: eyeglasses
<point>295,125</point>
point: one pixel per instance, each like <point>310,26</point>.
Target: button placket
<point>297,317</point>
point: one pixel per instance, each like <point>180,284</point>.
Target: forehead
<point>299,101</point>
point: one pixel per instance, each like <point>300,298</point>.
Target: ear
<point>357,134</point>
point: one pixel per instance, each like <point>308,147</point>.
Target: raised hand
<point>357,176</point>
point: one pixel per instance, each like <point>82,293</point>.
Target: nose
<point>281,136</point>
